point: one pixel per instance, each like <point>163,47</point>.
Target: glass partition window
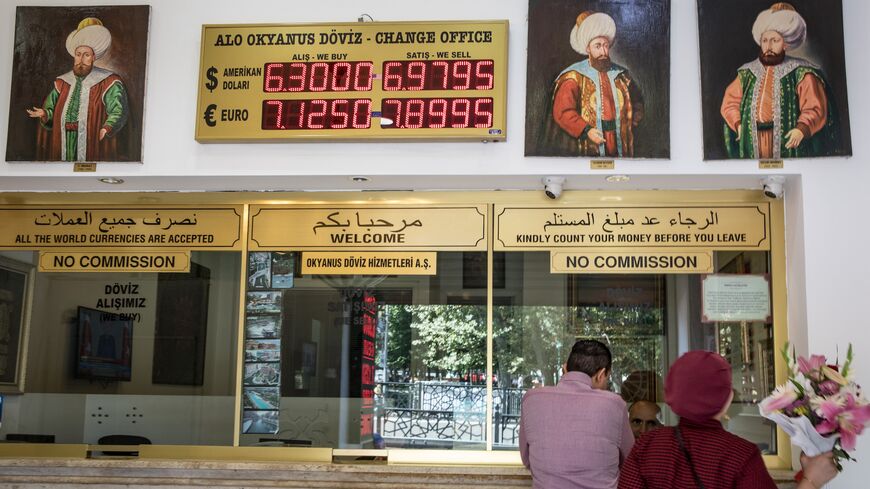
<point>747,345</point>
<point>400,361</point>
<point>646,320</point>
<point>351,361</point>
<point>122,357</point>
<point>539,315</point>
<point>365,361</point>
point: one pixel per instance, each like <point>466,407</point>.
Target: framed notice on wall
<point>727,297</point>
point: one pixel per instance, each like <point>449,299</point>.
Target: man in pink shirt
<point>576,435</point>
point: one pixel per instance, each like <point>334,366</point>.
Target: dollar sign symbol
<point>212,80</point>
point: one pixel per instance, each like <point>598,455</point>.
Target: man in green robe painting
<point>86,106</point>
<point>779,106</point>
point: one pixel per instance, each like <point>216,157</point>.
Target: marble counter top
<point>33,473</point>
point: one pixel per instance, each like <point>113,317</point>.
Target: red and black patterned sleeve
<point>754,474</point>
<point>630,474</point>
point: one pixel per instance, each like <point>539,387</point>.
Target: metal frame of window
<point>782,460</point>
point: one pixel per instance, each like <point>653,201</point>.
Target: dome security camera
<point>553,186</point>
<point>772,186</point>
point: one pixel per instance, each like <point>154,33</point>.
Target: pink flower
<point>846,418</point>
<point>811,367</point>
<point>779,399</point>
<point>829,388</point>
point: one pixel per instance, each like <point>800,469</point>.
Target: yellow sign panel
<point>737,226</point>
<point>114,261</point>
<point>84,167</point>
<point>118,227</point>
<point>631,262</point>
<point>369,263</point>
<point>602,165</point>
<point>461,228</point>
<point>371,80</point>
<point>771,165</point>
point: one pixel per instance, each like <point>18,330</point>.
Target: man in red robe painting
<point>596,102</point>
<point>87,106</point>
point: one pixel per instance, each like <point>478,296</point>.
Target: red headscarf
<point>698,385</point>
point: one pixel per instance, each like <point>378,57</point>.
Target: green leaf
<point>799,387</point>
<point>848,363</point>
<point>784,352</point>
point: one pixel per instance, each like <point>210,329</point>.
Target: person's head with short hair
<point>592,358</point>
<point>644,416</point>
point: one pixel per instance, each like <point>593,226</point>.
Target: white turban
<point>781,18</point>
<point>91,33</point>
<point>589,26</point>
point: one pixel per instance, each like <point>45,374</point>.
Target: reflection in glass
<point>365,361</point>
<point>144,354</point>
<point>547,313</point>
<point>538,316</point>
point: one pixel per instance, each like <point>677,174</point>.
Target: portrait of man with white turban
<point>781,104</point>
<point>595,100</point>
<point>595,106</point>
<point>87,113</point>
<point>86,105</point>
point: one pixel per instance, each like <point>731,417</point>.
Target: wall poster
<point>78,84</point>
<point>773,79</point>
<point>598,78</point>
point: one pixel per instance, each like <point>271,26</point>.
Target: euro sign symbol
<point>208,116</point>
<point>211,84</point>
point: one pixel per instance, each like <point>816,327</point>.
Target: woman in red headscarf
<point>698,452</point>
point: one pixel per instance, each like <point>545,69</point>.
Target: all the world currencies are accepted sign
<point>726,227</point>
<point>186,228</point>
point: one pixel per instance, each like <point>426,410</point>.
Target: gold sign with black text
<point>737,226</point>
<point>631,262</point>
<point>118,227</point>
<point>114,261</point>
<point>369,263</point>
<point>461,228</point>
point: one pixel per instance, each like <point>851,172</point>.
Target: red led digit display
<point>317,114</point>
<point>436,113</point>
<point>342,76</point>
<point>473,74</point>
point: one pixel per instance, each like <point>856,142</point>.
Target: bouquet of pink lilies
<point>820,407</point>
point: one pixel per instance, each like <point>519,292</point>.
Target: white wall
<point>171,153</point>
<point>828,283</point>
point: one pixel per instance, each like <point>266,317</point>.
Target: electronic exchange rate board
<point>354,81</point>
